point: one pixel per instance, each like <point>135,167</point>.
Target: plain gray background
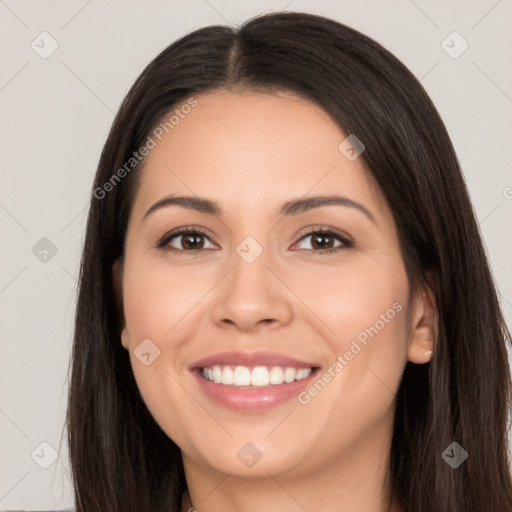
<point>56,113</point>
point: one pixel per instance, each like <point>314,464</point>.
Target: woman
<point>284,298</point>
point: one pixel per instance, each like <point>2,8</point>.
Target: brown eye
<point>322,241</point>
<point>184,240</point>
<point>325,241</point>
<point>192,241</point>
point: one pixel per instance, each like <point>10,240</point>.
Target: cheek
<point>361,310</point>
<point>363,314</point>
<point>156,298</point>
<point>160,308</point>
<point>348,299</point>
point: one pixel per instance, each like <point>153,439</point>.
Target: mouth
<point>252,381</point>
<point>245,377</point>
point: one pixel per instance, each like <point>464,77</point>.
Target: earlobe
<point>423,327</point>
<point>124,338</point>
<point>117,276</point>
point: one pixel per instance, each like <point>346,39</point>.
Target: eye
<point>191,239</point>
<point>322,240</point>
<point>185,239</point>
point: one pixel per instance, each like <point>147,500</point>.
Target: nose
<point>252,296</point>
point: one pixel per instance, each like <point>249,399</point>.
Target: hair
<point>121,460</point>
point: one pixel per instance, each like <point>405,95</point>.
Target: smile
<point>252,381</point>
<point>256,377</point>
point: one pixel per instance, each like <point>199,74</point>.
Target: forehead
<point>250,150</point>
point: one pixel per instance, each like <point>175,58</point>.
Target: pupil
<point>322,239</point>
<point>196,241</point>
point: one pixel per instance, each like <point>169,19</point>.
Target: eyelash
<point>193,230</point>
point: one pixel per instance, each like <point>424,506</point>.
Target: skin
<point>252,152</point>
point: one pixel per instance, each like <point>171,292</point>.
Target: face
<point>302,309</point>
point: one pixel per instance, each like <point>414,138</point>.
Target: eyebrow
<point>294,207</point>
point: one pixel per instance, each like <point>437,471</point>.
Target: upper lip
<point>251,359</point>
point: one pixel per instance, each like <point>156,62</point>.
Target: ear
<point>117,280</point>
<point>423,332</point>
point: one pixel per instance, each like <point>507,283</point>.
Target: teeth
<point>217,374</point>
<point>302,373</point>
<point>259,376</point>
<point>242,376</point>
<point>227,377</point>
<point>289,374</point>
<point>276,375</point>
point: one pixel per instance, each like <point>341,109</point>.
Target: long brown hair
<point>120,458</point>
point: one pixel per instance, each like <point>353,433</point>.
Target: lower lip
<point>252,399</point>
